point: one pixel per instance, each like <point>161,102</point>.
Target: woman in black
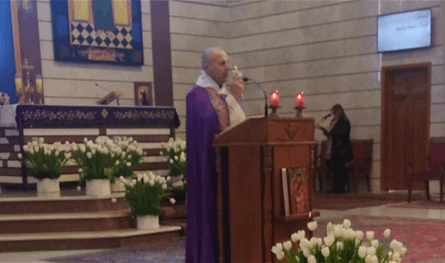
<point>338,151</point>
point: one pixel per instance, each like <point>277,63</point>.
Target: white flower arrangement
<point>130,153</point>
<point>96,160</point>
<point>145,193</point>
<point>175,153</point>
<point>45,160</point>
<point>342,244</point>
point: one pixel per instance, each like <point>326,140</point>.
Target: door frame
<point>386,102</point>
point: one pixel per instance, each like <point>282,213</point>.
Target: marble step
<point>65,204</point>
<point>66,222</point>
<point>85,240</point>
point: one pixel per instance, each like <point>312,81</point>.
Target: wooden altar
<point>20,124</point>
<point>251,215</point>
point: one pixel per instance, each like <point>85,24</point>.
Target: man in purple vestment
<point>211,108</point>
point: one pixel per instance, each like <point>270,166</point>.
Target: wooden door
<point>405,123</point>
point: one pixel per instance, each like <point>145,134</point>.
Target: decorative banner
<point>28,80</point>
<point>98,31</point>
<point>7,62</point>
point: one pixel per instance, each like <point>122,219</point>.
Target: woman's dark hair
<point>339,108</point>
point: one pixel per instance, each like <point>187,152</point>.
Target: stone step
<point>64,204</point>
<point>85,240</point>
<point>66,222</point>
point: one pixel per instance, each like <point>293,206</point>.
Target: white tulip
<point>304,243</point>
<point>387,233</point>
<point>93,151</point>
<point>340,245</point>
<point>403,251</point>
<point>128,164</point>
<point>396,256</point>
<point>306,252</point>
<point>346,223</point>
<point>36,148</point>
<point>311,259</point>
<point>171,161</point>
<point>67,155</point>
<point>176,158</point>
<point>374,259</point>
<point>80,170</point>
<point>329,240</point>
<point>277,248</point>
<point>325,251</point>
<point>371,251</point>
<point>329,228</point>
<point>368,259</point>
<point>359,235</point>
<point>139,177</point>
<point>146,180</point>
<point>79,188</point>
<point>113,200</point>
<point>362,251</point>
<point>375,243</point>
<point>172,201</point>
<point>168,178</point>
<point>133,181</point>
<point>338,231</point>
<point>117,163</point>
<point>280,255</point>
<point>287,245</point>
<point>297,258</point>
<point>31,151</point>
<point>89,155</point>
<point>370,235</point>
<point>19,155</point>
<point>312,225</point>
<point>164,186</point>
<point>393,244</point>
<point>34,143</point>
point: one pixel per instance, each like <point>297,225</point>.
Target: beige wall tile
<point>437,129</point>
<point>180,107</point>
<point>145,7</point>
<point>180,91</point>
<point>366,133</point>
<point>329,49</point>
<point>197,43</point>
<point>86,89</point>
<point>364,117</point>
<point>43,11</point>
<point>437,113</point>
<point>148,57</point>
<point>433,55</point>
<point>146,38</point>
<point>438,94</point>
<point>186,59</point>
<point>47,50</point>
<point>198,27</point>
<point>45,31</point>
<point>185,75</point>
<point>52,69</point>
<point>146,22</point>
<point>199,11</point>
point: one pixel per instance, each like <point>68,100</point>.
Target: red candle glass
<point>299,99</point>
<point>274,98</point>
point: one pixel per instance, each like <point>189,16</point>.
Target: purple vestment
<point>202,124</point>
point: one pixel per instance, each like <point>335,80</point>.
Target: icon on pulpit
<point>296,190</point>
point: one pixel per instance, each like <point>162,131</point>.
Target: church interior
<point>78,70</point>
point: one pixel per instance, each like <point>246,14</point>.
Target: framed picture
<point>296,190</point>
<point>143,94</point>
<point>98,31</point>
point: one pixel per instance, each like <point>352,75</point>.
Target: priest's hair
<point>205,58</point>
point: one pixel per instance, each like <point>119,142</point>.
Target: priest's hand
<point>237,88</point>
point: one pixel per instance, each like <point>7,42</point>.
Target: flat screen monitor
<point>403,31</point>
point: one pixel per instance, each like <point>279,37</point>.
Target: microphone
<point>117,98</point>
<point>265,94</point>
<point>327,116</point>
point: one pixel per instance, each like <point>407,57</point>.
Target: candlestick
<point>299,99</point>
<point>274,98</point>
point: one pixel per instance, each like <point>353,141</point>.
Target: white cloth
<point>236,113</point>
<point>7,115</point>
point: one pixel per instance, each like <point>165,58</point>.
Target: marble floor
<point>325,214</point>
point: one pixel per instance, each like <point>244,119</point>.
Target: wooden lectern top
<point>268,130</point>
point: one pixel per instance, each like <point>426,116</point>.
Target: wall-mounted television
<point>403,31</point>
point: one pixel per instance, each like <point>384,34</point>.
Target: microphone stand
<point>117,97</point>
<point>264,92</point>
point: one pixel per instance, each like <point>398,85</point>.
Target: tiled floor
<point>40,256</point>
<point>325,214</point>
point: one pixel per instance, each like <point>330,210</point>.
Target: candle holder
<point>299,109</point>
<point>274,108</point>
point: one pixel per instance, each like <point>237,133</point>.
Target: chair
<point>435,168</point>
<point>361,162</point>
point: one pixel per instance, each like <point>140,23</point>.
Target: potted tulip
<point>175,153</point>
<point>131,153</point>
<point>145,192</point>
<point>96,161</point>
<point>45,162</point>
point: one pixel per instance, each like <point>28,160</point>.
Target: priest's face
<point>218,68</point>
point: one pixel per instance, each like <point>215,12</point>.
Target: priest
<point>212,107</point>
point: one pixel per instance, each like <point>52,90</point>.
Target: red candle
<point>274,97</point>
<point>299,99</point>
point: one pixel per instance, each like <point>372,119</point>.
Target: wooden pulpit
<point>251,212</point>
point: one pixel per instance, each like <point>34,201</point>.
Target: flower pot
<point>117,186</point>
<point>147,222</point>
<point>98,187</point>
<point>48,187</point>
